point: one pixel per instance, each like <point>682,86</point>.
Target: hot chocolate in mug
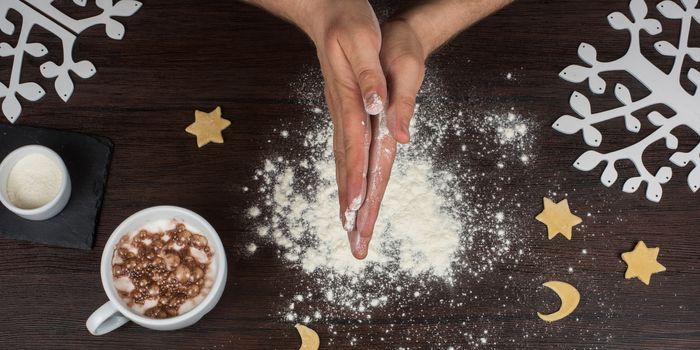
<point>116,312</point>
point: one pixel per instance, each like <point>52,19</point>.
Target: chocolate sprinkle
<point>159,270</point>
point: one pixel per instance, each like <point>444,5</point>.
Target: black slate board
<point>87,159</point>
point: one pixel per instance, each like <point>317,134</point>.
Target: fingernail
<point>350,216</point>
<point>361,248</point>
<point>356,203</point>
<point>405,127</point>
<point>361,219</point>
<point>353,238</point>
<point>373,104</point>
<point>363,244</point>
<point>358,245</point>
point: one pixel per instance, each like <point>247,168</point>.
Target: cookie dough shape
<point>309,338</point>
<point>558,218</point>
<point>641,262</point>
<point>208,126</point>
<point>569,296</point>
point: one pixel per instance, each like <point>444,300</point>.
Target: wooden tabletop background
<point>186,54</point>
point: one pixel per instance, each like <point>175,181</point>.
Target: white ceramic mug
<point>115,312</point>
<point>48,210</point>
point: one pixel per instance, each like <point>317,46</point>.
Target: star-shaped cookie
<point>558,218</point>
<point>208,126</point>
<point>641,262</point>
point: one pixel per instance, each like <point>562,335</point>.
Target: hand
<point>348,42</point>
<point>348,39</point>
<point>403,62</point>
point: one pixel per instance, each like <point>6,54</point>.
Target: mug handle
<point>105,319</point>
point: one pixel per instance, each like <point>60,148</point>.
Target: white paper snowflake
<point>665,88</point>
<point>42,13</point>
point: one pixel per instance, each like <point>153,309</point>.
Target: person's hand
<point>348,41</point>
<point>403,62</point>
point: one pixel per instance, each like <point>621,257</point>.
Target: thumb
<point>381,160</point>
<point>362,52</point>
<point>405,78</point>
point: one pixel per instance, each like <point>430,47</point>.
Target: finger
<point>405,78</point>
<point>361,48</point>
<point>356,132</point>
<point>382,155</point>
<point>339,156</point>
<point>354,203</point>
<point>356,143</point>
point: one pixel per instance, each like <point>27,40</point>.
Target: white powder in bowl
<point>33,182</point>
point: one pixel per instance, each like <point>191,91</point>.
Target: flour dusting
<point>414,235</point>
<point>442,222</point>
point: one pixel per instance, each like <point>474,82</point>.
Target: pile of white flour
<point>440,218</point>
<point>415,234</point>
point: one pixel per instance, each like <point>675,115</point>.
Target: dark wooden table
<point>186,54</point>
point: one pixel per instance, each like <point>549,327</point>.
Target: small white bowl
<point>49,209</point>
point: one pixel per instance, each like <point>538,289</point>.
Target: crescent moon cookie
<point>558,218</point>
<point>309,338</point>
<point>208,126</point>
<point>569,296</point>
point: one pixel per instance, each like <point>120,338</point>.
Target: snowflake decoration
<point>665,88</point>
<point>42,13</point>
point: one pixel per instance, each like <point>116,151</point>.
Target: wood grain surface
<point>185,54</point>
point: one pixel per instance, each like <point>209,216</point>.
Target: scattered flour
<point>444,223</point>
<point>253,212</point>
<point>251,248</point>
<point>414,235</point>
